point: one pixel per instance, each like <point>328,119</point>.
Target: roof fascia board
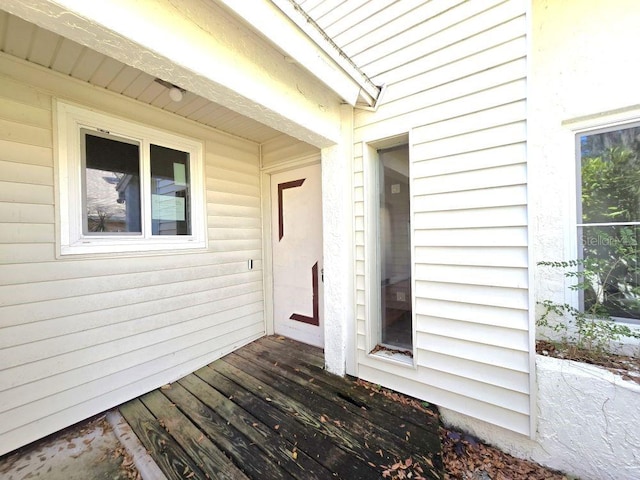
<point>370,92</point>
<point>281,21</point>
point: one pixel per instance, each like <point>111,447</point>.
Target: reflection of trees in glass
<point>111,183</point>
<point>611,271</point>
<point>610,195</point>
<point>105,211</point>
<point>98,220</point>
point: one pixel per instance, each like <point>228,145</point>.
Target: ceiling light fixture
<point>175,92</point>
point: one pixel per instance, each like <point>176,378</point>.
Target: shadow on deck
<point>270,411</point>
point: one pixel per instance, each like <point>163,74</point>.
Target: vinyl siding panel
<point>447,29</point>
<point>26,213</point>
<point>475,255</point>
<point>283,149</point>
<point>455,74</point>
<point>79,335</point>
<point>349,34</point>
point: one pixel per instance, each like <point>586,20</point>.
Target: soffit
<point>29,42</point>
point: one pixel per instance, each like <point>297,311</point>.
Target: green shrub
<point>590,329</point>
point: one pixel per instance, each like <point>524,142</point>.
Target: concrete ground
<point>93,449</point>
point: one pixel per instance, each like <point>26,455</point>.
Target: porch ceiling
<point>29,42</point>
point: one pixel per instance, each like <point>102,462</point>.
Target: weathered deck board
<point>255,431</point>
<point>175,463</point>
<point>358,424</point>
<point>300,365</point>
<point>289,347</point>
<point>211,460</point>
<point>227,438</point>
<point>408,436</point>
<point>324,451</point>
<point>269,410</point>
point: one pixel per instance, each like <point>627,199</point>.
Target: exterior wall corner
<point>338,250</point>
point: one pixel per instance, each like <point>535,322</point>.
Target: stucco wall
<point>582,75</point>
<point>338,251</point>
<point>586,424</point>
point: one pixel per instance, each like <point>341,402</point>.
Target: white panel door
<point>296,199</point>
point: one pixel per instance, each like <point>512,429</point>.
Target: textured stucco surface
<point>579,77</point>
<point>587,423</point>
<point>338,250</point>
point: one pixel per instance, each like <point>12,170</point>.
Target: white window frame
<point>373,314</point>
<point>72,241</point>
<point>578,129</point>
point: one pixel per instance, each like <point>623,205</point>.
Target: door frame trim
<point>267,217</point>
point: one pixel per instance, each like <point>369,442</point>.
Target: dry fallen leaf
<point>465,457</point>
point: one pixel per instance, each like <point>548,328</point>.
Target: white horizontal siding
<point>472,313</point>
<point>473,218</point>
<point>509,358</point>
<point>505,337</point>
<point>78,336</point>
<point>88,398</point>
<point>24,133</point>
<point>395,21</point>
<point>284,149</point>
<point>149,314</point>
<point>489,374</point>
<point>25,213</point>
<point>473,60</point>
<point>26,177</point>
<point>42,377</point>
<point>349,32</point>
<point>482,198</point>
<point>455,74</point>
<point>470,237</point>
<point>499,277</point>
<point>102,293</point>
<point>449,30</point>
<point>487,294</point>
<point>491,256</point>
<point>469,182</point>
<point>419,383</point>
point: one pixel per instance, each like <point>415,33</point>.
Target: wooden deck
<point>270,411</point>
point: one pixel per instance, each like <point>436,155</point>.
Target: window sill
<point>136,246</point>
<point>397,357</point>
